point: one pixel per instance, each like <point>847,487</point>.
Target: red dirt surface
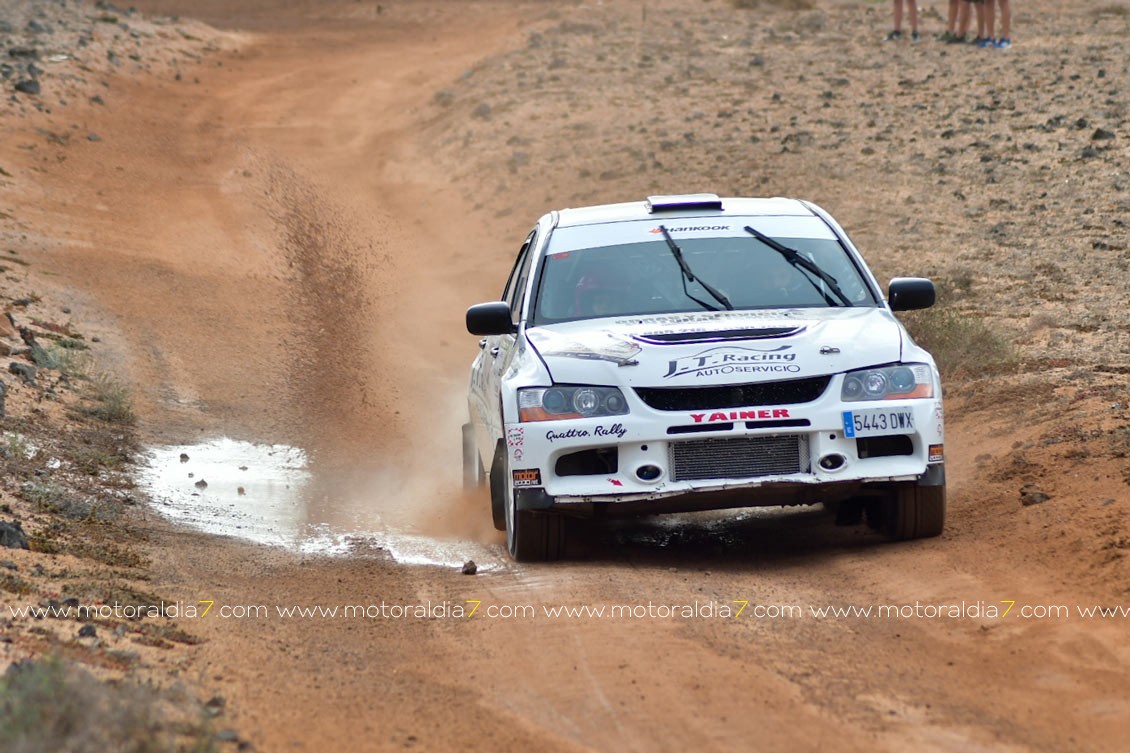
<point>280,247</point>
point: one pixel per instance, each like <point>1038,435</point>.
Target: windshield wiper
<point>688,276</point>
<point>792,256</point>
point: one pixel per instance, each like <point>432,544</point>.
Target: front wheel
<point>530,536</point>
<point>914,512</point>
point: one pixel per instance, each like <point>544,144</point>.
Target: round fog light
<point>649,472</point>
<point>833,462</point>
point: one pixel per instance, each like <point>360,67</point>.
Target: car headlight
<point>888,383</point>
<point>563,401</point>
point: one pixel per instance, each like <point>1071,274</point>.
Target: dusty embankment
<point>282,252</point>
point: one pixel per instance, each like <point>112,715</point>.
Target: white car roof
<point>640,210</point>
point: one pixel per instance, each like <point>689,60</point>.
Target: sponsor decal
<point>936,453</point>
<point>516,436</point>
<point>709,318</point>
<point>593,346</point>
<point>615,482</point>
<point>518,454</point>
<point>528,477</point>
<point>740,415</point>
<point>727,359</point>
<point>691,229</point>
<point>615,430</point>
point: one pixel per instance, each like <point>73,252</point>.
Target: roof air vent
<point>684,201</point>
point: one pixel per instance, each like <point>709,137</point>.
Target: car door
<point>499,350</point>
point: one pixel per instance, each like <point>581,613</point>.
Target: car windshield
<point>639,278</point>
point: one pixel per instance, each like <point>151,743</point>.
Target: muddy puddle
<point>269,495</point>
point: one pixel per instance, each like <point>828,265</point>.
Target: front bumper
<point>796,454</point>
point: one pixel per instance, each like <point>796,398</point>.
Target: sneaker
<point>915,36</point>
<point>986,42</point>
<point>1003,43</point>
<point>894,36</point>
<point>955,38</point>
<point>976,41</point>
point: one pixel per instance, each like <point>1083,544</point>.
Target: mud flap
<point>935,475</point>
<point>529,500</point>
<point>497,478</point>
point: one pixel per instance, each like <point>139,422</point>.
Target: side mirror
<point>909,293</point>
<point>490,319</point>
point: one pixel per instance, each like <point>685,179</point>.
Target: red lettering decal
<point>718,417</point>
<point>747,414</point>
<point>698,417</point>
<point>780,413</point>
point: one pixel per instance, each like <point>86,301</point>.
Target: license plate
<point>872,422</point>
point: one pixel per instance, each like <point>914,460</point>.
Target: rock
<point>240,491</point>
<point>184,457</point>
<point>35,27</point>
<point>25,371</point>
<point>12,535</point>
<point>470,568</point>
<point>28,86</point>
<point>11,349</point>
<point>9,565</point>
<point>97,100</point>
<point>28,336</point>
<point>93,137</point>
<point>215,705</point>
<point>201,484</point>
<point>3,396</point>
<point>87,631</point>
<point>1030,495</point>
<point>27,53</point>
<point>482,111</point>
<point>1102,135</point>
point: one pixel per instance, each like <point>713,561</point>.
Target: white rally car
<point>690,353</point>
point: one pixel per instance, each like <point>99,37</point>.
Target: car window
<point>515,293</point>
<point>644,278</point>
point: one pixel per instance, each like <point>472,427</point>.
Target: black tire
<point>915,512</point>
<point>474,478</point>
<point>536,536</point>
<point>530,536</point>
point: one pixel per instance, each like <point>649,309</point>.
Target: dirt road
<point>273,253</point>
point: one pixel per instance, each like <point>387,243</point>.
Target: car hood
<point>723,347</point>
